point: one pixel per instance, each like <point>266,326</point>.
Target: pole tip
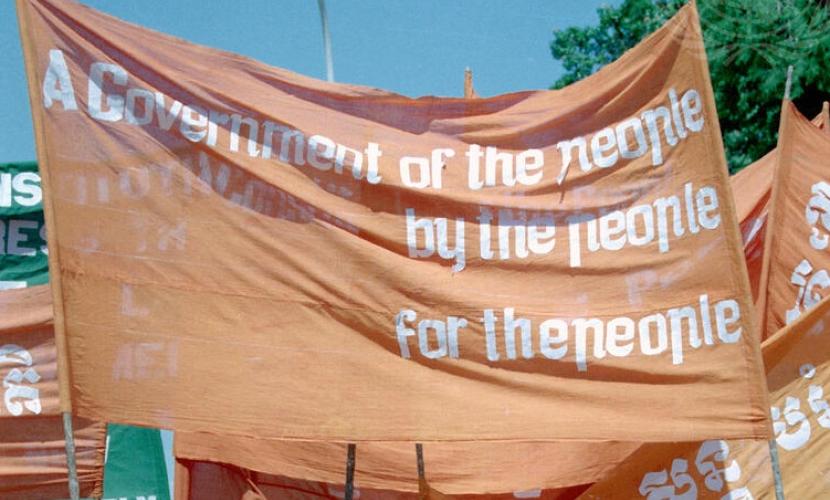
<point>469,92</point>
<point>789,84</point>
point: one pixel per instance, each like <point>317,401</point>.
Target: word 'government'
<point>109,98</point>
<point>142,107</point>
<point>507,335</point>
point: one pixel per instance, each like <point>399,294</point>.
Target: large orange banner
<point>32,447</point>
<point>240,249</point>
<point>798,372</point>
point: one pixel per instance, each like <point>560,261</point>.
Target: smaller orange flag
<point>32,446</point>
<point>797,360</point>
<point>797,244</point>
<point>751,188</point>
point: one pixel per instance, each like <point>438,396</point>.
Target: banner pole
<point>776,470</point>
<point>348,493</point>
<point>324,20</point>
<point>419,454</point>
<point>74,487</point>
<point>773,447</point>
<point>54,261</point>
<point>468,84</point>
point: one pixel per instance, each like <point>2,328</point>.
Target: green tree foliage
<point>749,44</point>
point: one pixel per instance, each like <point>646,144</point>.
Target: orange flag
<point>242,250</point>
<point>797,246</point>
<point>209,480</point>
<point>797,360</point>
<point>32,447</point>
<point>752,187</point>
<point>486,467</point>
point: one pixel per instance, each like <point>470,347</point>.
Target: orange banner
<point>798,372</point>
<point>456,468</point>
<point>751,188</point>
<point>207,481</point>
<point>243,250</point>
<point>796,252</point>
<point>32,447</point>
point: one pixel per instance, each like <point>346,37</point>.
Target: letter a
<point>58,72</point>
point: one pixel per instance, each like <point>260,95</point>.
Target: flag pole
<point>423,489</point>
<point>469,93</point>
<point>324,20</point>
<point>776,470</point>
<point>54,261</point>
<point>348,492</point>
<point>74,487</point>
<point>773,447</point>
<point>419,456</point>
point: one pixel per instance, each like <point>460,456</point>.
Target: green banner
<point>23,259</point>
<point>135,466</point>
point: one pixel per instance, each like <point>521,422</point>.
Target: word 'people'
<point>637,136</point>
<point>508,336</point>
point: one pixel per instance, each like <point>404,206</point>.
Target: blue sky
<point>410,47</point>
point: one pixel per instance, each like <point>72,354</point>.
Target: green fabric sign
<point>23,254</point>
<point>135,467</point>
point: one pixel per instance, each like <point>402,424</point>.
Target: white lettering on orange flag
<point>262,232</point>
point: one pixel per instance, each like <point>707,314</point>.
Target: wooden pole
<point>776,470</point>
<point>825,116</point>
<point>59,327</point>
<point>773,447</point>
<point>181,486</point>
<point>74,487</point>
<point>419,456</point>
<point>469,91</point>
<point>324,20</point>
<point>350,460</point>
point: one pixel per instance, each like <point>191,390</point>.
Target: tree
<point>749,44</point>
